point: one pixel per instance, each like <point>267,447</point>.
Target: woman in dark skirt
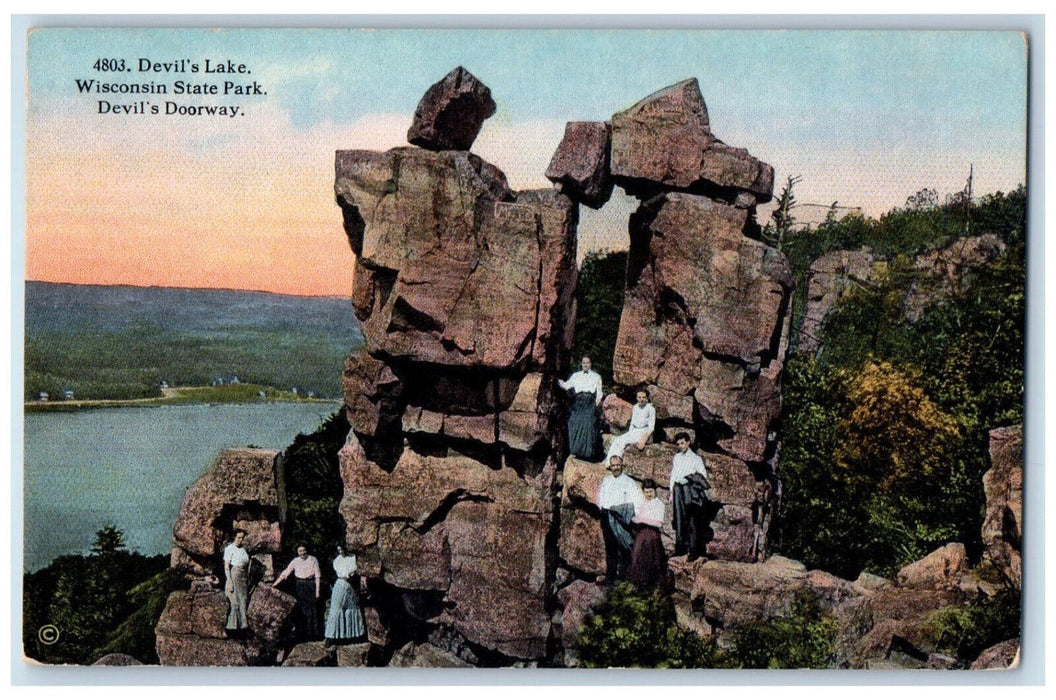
<point>583,435</point>
<point>648,561</point>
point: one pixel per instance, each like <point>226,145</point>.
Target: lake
<point>130,466</point>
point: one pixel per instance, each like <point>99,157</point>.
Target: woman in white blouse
<point>640,429</point>
<point>583,422</point>
<point>648,561</point>
<point>345,620</point>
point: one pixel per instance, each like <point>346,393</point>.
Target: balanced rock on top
<point>451,112</point>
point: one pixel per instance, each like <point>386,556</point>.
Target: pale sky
<point>866,118</point>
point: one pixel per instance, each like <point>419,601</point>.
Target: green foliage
<point>967,630</point>
<point>599,303</point>
<point>135,635</point>
<point>634,629</point>
<point>803,639</point>
<point>884,435</point>
<point>87,599</point>
<point>314,488</point>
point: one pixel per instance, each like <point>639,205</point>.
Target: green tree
<point>314,488</point>
<point>108,540</point>
<point>599,301</point>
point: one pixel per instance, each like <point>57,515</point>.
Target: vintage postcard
<point>524,348</point>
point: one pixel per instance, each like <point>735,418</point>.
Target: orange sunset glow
<point>177,207</point>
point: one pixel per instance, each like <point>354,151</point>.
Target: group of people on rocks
<point>344,619</point>
<point>632,517</point>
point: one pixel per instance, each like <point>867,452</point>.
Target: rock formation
<point>191,629</point>
<point>464,289</point>
<point>940,273</point>
<point>1003,518</point>
<point>245,488</point>
<point>451,113</point>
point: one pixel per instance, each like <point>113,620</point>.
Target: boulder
<point>244,486</point>
<point>891,624</point>
<point>665,142</point>
<point>189,650</point>
<point>413,655</point>
<point>451,113</point>
<point>117,660</point>
<point>268,613</point>
<point>943,568</point>
<point>616,411</point>
<point>729,593</point>
<point>310,654</point>
<point>201,615</point>
<point>1002,656</point>
<point>1002,530</point>
<point>580,165</point>
<point>352,655</point>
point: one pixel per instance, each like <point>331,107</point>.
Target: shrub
<point>967,630</point>
<point>634,629</point>
<point>804,639</point>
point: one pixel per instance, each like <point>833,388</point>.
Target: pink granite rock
<point>577,599</point>
<point>665,142</point>
<point>451,113</point>
<point>452,267</point>
<point>580,166</point>
<point>1002,656</point>
<point>704,321</point>
<point>831,276</point>
<point>1002,530</point>
<point>443,523</point>
<point>942,568</point>
<point>242,485</point>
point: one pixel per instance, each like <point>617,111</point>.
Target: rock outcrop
<point>245,488</point>
<point>580,166</point>
<point>1003,518</point>
<point>830,277</point>
<point>939,273</point>
<point>464,289</point>
<point>191,630</point>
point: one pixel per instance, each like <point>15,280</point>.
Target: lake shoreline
<point>181,396</point>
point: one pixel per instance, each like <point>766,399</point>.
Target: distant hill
<point>118,342</point>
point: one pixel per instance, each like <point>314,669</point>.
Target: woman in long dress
<point>345,620</point>
<point>583,435</point>
<point>236,564</point>
<point>648,561</point>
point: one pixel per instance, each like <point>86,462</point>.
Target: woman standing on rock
<point>648,562</point>
<point>345,620</point>
<point>236,564</point>
<point>583,423</point>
